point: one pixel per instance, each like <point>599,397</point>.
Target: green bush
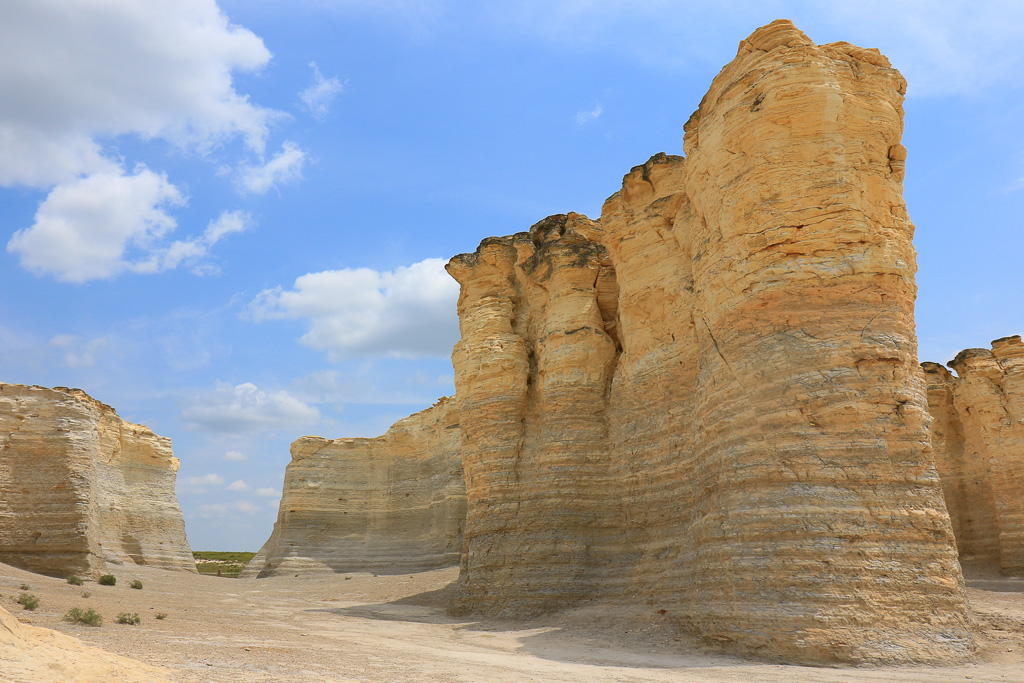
<point>27,601</point>
<point>130,619</point>
<point>108,580</point>
<point>24,587</point>
<point>161,615</point>
<point>88,617</point>
<point>137,585</point>
<point>86,594</point>
<point>74,580</point>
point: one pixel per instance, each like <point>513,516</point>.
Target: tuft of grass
<point>88,617</point>
<point>86,594</point>
<point>161,615</point>
<point>137,585</point>
<point>27,601</point>
<point>24,587</point>
<point>130,619</point>
<point>229,564</point>
<point>107,580</point>
<point>74,580</point>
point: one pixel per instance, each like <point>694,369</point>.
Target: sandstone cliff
<point>80,487</point>
<point>390,504</point>
<point>978,436</point>
<point>708,401</point>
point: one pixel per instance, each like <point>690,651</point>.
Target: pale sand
<point>394,628</point>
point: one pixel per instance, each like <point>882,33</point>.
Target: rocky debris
<point>80,487</point>
<point>391,504</point>
<point>708,401</point>
<point>978,437</point>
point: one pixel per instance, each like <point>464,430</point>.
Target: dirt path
<point>394,628</point>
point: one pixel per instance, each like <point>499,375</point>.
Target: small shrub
<point>74,580</point>
<point>27,601</point>
<point>108,580</point>
<point>88,617</point>
<point>161,615</point>
<point>86,594</point>
<point>130,619</point>
<point>24,587</point>
<point>137,585</point>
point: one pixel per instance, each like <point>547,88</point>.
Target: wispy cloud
<point>284,167</point>
<point>318,96</point>
<point>585,117</point>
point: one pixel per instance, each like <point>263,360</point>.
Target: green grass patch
<point>88,617</point>
<point>229,564</point>
<point>27,601</point>
<point>130,618</point>
<point>107,580</point>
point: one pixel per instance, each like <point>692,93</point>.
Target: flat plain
<point>361,627</point>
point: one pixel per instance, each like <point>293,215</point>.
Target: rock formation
<point>80,487</point>
<point>394,503</point>
<point>708,401</point>
<point>978,436</point>
<point>41,655</point>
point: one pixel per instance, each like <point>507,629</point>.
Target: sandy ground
<point>360,627</point>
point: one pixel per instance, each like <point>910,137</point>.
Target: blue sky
<point>229,220</point>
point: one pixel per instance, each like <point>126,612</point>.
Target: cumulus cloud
<point>270,492</point>
<point>318,96</point>
<point>218,510</point>
<point>205,480</point>
<point>235,456</point>
<point>246,408</point>
<point>407,312</point>
<point>99,226</point>
<point>78,352</point>
<point>584,117</point>
<point>238,485</point>
<point>73,73</point>
<point>284,167</point>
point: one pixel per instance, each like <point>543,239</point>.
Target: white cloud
<point>284,167</point>
<point>584,117</point>
<point>238,485</point>
<point>271,492</point>
<point>317,97</point>
<point>85,226</point>
<point>218,510</point>
<point>247,507</point>
<point>407,312</point>
<point>205,480</point>
<point>235,456</point>
<point>99,226</point>
<point>73,72</point>
<point>246,408</point>
<point>78,353</point>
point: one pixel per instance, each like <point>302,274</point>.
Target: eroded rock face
<point>80,487</point>
<point>978,435</point>
<point>391,504</point>
<point>708,401</point>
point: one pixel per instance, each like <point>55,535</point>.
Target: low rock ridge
<point>978,437</point>
<point>81,488</point>
<point>390,504</point>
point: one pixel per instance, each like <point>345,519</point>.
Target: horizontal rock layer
<point>80,487</point>
<point>708,401</point>
<point>978,436</point>
<point>391,504</point>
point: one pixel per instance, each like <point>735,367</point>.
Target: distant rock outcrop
<point>708,401</point>
<point>394,503</point>
<point>978,437</point>
<point>80,487</point>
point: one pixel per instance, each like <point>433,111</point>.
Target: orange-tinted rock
<point>80,487</point>
<point>708,401</point>
<point>978,433</point>
<point>391,504</point>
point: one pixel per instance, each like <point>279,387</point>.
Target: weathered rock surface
<point>80,487</point>
<point>39,655</point>
<point>391,504</point>
<point>709,401</point>
<point>978,436</point>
